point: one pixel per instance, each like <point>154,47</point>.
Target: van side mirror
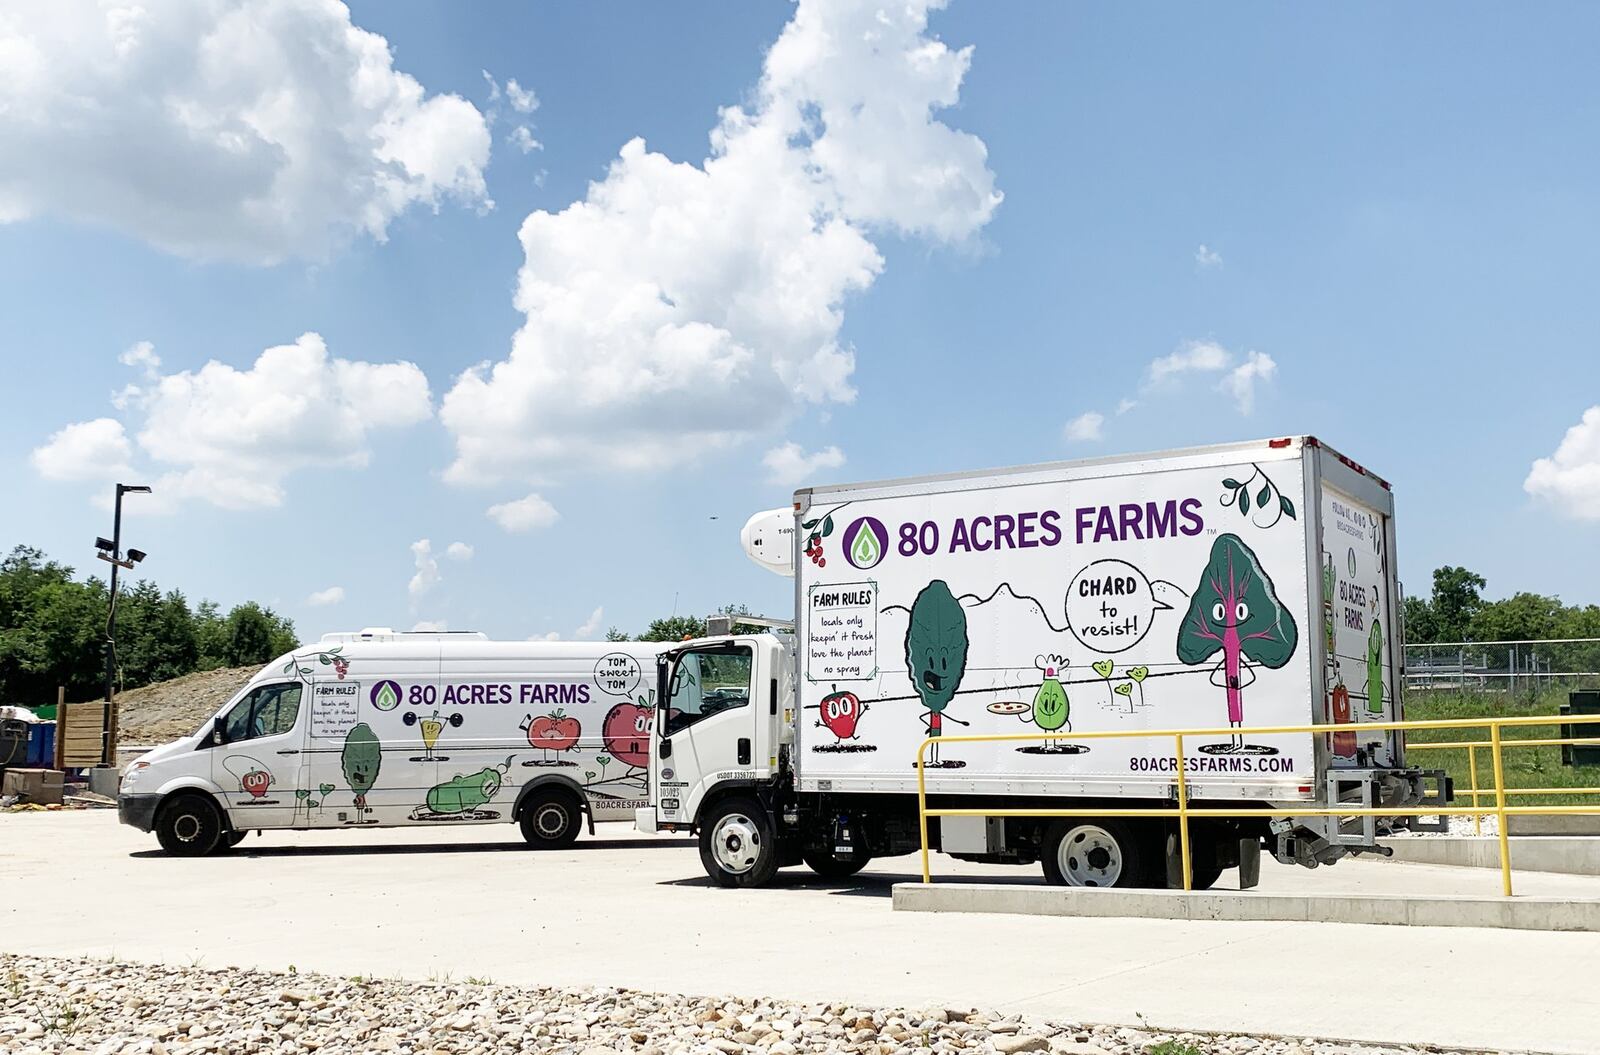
<point>216,732</point>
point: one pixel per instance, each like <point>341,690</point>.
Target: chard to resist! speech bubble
<point>1110,604</point>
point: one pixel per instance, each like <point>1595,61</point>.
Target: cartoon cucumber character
<point>1375,669</point>
<point>467,794</point>
<point>936,656</point>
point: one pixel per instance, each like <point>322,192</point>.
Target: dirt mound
<point>170,709</point>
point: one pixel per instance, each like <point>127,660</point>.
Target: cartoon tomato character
<point>556,731</point>
<point>626,732</point>
<point>841,711</point>
<point>256,782</point>
<point>1344,741</point>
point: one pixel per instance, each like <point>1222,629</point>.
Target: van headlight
<point>132,773</point>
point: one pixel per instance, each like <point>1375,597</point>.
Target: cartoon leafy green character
<point>936,654</point>
<point>1375,669</point>
<point>361,758</point>
<point>1235,611</point>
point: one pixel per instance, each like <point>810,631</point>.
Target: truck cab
<point>724,711</point>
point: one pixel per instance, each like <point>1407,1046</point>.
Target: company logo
<point>865,541</point>
<point>386,695</point>
<point>667,774</point>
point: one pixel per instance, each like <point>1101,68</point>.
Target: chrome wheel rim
<point>186,827</point>
<point>1089,856</point>
<point>736,844</point>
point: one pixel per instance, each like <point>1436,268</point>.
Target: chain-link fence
<point>1504,668</point>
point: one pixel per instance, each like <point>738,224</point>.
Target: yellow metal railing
<point>1472,747</point>
<point>1183,812</point>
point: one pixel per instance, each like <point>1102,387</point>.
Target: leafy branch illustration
<point>327,657</point>
<point>1267,499</point>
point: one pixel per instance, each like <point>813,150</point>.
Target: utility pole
<point>112,554</point>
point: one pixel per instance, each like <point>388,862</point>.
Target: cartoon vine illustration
<point>328,657</point>
<point>1269,501</point>
<point>556,731</point>
<point>936,658</point>
<point>1235,610</point>
<point>840,713</point>
<point>820,529</point>
<point>361,759</point>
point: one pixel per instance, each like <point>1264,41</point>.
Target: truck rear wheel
<point>550,819</point>
<point>189,826</point>
<point>1095,853</point>
<point>828,866</point>
<point>737,845</point>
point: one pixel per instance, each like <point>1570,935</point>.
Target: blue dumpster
<point>42,746</point>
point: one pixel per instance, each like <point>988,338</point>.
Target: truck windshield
<point>705,682</point>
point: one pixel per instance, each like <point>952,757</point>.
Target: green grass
<point>1525,767</point>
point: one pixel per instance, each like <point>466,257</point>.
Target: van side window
<point>706,682</point>
<point>265,711</point>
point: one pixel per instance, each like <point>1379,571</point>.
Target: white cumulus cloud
<point>1086,427</point>
<point>1570,478</point>
<point>524,514</point>
<point>1240,382</point>
<point>1206,257</point>
<point>590,626</point>
<point>427,575</point>
<point>790,464</point>
<point>231,436</point>
<point>332,595</point>
<point>458,551</point>
<point>250,130</point>
<point>680,307</point>
<point>1194,357</point>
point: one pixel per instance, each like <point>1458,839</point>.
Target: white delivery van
<point>1238,587</point>
<point>390,729</point>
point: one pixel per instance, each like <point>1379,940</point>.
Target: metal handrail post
<point>922,807</point>
<point>1500,808</point>
<point>1472,767</point>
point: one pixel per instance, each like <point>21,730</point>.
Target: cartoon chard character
<point>361,758</point>
<point>1375,669</point>
<point>1235,611</point>
<point>936,656</point>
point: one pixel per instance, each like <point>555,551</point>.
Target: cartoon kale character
<point>936,656</point>
<point>1375,669</point>
<point>1235,610</point>
<point>361,758</point>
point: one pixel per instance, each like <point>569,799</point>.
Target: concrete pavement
<point>635,911</point>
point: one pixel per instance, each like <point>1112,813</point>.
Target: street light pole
<point>108,720</point>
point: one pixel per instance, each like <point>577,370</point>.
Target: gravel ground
<point>98,1007</point>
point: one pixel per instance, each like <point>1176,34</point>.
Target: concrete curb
<point>1444,911</point>
<point>1574,855</point>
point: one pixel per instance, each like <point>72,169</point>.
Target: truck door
<point>259,763</point>
<point>707,726</point>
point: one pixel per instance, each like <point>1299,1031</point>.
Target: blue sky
<point>1396,205</point>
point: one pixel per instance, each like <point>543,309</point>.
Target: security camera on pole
<point>111,552</point>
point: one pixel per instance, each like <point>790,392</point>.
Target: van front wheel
<point>189,826</point>
<point>737,845</point>
<point>550,820</point>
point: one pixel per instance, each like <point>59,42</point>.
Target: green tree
<point>616,634</point>
<point>1457,596</point>
<point>1520,617</point>
<point>256,634</point>
<point>674,628</point>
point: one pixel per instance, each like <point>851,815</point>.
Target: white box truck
<point>1243,586</point>
<point>390,729</point>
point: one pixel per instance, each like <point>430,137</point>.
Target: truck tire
<point>1094,852</point>
<point>189,825</point>
<point>737,845</point>
<point>550,819</point>
<point>828,866</point>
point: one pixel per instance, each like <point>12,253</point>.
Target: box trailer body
<point>384,729</point>
<point>1236,587</point>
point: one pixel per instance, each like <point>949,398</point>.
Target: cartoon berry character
<point>256,782</point>
<point>626,732</point>
<point>341,667</point>
<point>556,731</point>
<point>841,712</point>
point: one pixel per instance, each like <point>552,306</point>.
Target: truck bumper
<point>138,811</point>
<point>644,819</point>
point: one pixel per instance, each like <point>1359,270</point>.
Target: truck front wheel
<point>1095,853</point>
<point>737,845</point>
<point>189,826</point>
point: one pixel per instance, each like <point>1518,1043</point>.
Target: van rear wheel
<point>1095,853</point>
<point>189,826</point>
<point>550,819</point>
<point>737,844</point>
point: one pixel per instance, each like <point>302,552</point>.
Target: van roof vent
<point>384,633</point>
